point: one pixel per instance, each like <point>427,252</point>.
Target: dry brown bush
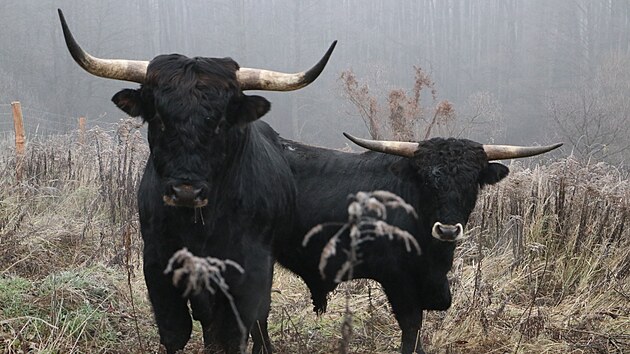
<point>415,114</point>
<point>76,199</point>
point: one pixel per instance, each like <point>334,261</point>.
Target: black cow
<point>215,182</point>
<point>440,178</point>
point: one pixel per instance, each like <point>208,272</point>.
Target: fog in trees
<point>511,71</point>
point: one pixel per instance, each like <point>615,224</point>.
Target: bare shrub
<point>406,117</point>
<point>359,95</point>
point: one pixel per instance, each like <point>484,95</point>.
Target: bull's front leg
<point>409,316</point>
<point>259,330</point>
<point>253,299</point>
<point>249,299</point>
<point>170,308</point>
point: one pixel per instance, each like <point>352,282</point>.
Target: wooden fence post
<point>82,130</point>
<point>18,124</point>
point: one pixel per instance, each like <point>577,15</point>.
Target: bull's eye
<point>219,126</point>
<point>158,120</point>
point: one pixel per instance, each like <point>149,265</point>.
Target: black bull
<point>440,178</point>
<point>216,182</point>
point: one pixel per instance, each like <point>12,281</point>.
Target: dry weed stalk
<point>366,104</point>
<point>201,273</point>
<point>366,214</point>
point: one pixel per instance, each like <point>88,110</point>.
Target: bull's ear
<point>250,109</point>
<point>493,173</point>
<point>129,101</point>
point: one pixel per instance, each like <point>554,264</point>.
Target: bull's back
<point>325,179</point>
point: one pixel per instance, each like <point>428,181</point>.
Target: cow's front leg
<point>259,331</point>
<point>170,308</point>
<point>253,297</point>
<point>409,316</point>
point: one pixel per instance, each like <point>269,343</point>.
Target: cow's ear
<point>130,101</point>
<point>250,109</point>
<point>493,173</point>
<point>402,169</point>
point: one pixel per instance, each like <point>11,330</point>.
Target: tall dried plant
<point>405,118</point>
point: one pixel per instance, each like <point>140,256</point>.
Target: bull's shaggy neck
<point>255,155</point>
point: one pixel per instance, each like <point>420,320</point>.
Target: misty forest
<point>543,266</point>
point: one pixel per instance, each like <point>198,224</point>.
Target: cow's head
<point>193,107</point>
<point>448,174</point>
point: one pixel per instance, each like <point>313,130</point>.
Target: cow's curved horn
<point>504,152</point>
<point>400,148</point>
<point>267,80</point>
<point>118,69</point>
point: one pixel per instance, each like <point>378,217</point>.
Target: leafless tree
<point>594,115</point>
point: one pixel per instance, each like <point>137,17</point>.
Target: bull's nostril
<point>185,195</point>
<point>174,192</point>
<point>447,230</point>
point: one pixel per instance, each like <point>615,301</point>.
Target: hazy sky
<point>507,57</point>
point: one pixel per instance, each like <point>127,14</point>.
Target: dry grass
<point>545,269</point>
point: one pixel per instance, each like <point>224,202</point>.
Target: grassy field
<point>545,267</point>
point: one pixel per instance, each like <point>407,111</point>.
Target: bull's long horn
<point>401,148</point>
<point>118,69</point>
<point>503,152</point>
<point>266,80</point>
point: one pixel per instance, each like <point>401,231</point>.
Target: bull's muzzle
<point>449,233</point>
<point>185,195</point>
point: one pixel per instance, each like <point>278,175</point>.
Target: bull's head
<point>193,107</point>
<point>448,174</point>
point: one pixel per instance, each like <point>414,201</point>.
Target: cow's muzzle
<point>185,195</point>
<point>449,233</point>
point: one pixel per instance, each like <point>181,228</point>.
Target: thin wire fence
<point>40,123</point>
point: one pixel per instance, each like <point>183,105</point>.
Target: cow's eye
<point>220,125</point>
<point>160,123</point>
